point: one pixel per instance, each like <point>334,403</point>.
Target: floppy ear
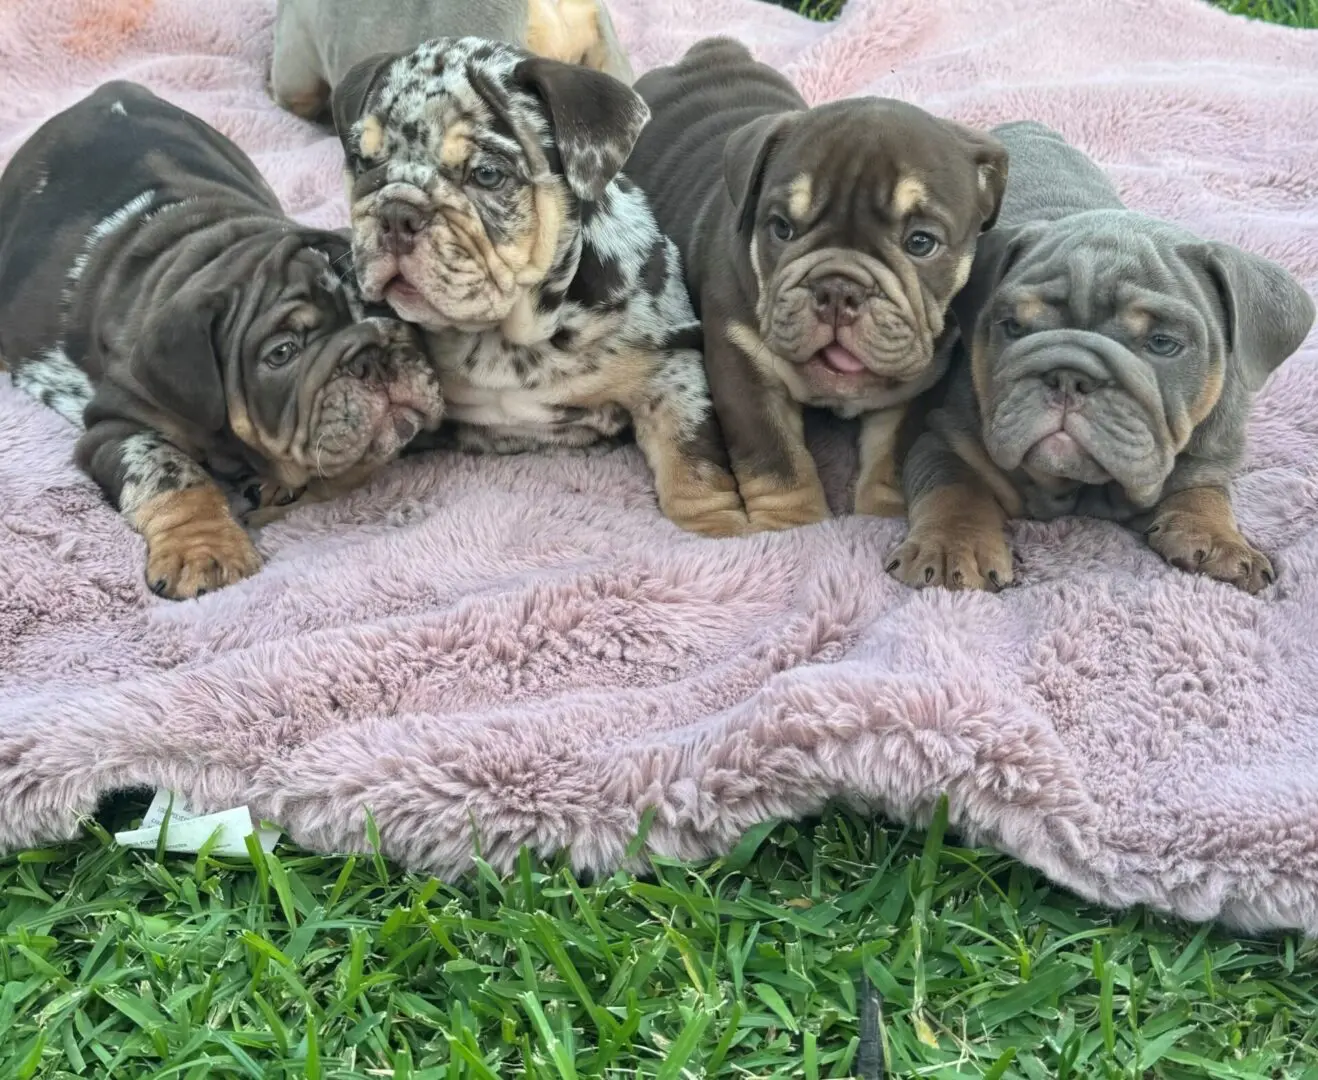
<point>596,120</point>
<point>744,157</point>
<point>350,97</point>
<point>1267,314</point>
<point>990,158</point>
<point>176,361</point>
<point>995,254</point>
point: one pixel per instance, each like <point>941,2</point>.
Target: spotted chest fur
<point>609,332</point>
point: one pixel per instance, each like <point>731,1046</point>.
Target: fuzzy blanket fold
<point>524,644</point>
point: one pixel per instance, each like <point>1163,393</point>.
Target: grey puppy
<point>1111,364</point>
<point>164,301</point>
<point>317,42</point>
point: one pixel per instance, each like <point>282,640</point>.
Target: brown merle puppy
<point>488,207</point>
<point>822,247</point>
<point>161,298</point>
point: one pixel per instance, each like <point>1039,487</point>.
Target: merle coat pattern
<point>488,207</point>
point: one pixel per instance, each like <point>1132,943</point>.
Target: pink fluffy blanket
<point>523,646</point>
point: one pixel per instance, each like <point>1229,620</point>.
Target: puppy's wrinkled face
<point>862,221</point>
<point>313,386</point>
<point>1107,338</point>
<point>466,160</point>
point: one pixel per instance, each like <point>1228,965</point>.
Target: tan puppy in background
<point>317,42</point>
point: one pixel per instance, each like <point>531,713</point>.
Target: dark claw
<point>995,580</point>
<point>202,592</point>
<point>958,578</point>
<point>1151,530</point>
<point>928,574</point>
<point>158,587</point>
<point>1269,577</point>
<point>1200,555</point>
<point>892,566</point>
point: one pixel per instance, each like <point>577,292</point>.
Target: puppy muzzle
<point>848,317</point>
<point>1077,406</point>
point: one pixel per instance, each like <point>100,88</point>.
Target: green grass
<point>812,950</point>
<point>1286,12</point>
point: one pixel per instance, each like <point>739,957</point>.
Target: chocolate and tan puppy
<point>1110,366</point>
<point>153,291</point>
<point>317,42</point>
<point>821,248</point>
<point>488,208</point>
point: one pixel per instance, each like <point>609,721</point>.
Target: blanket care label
<point>187,830</point>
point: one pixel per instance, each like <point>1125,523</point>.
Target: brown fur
<point>193,544</point>
<point>956,540</point>
<point>1195,530</point>
<point>878,486</point>
<point>566,30</point>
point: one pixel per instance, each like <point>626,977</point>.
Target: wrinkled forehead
<point>1098,264</point>
<point>445,99</point>
<point>876,159</point>
<point>302,292</point>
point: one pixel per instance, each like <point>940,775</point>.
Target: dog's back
<point>82,178</point>
<point>1048,178</point>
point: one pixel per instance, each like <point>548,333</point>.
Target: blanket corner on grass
<point>524,646</point>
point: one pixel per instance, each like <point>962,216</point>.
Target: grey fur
<point>1140,427</point>
<point>317,42</point>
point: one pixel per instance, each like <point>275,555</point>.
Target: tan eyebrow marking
<point>908,193</point>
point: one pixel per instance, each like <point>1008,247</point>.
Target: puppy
<point>161,299</point>
<point>317,42</point>
<point>488,208</point>
<point>822,247</point>
<point>1111,366</point>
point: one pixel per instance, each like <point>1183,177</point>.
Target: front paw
<point>193,544</point>
<point>880,500</point>
<point>716,516</point>
<point>780,508</point>
<point>955,558</point>
<point>1196,544</point>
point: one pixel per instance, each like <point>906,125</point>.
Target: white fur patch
<point>134,208</point>
<point>55,380</point>
<point>153,466</point>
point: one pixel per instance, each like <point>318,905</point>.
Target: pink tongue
<point>836,357</point>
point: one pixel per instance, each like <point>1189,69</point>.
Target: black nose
<point>1071,383</point>
<point>366,361</point>
<point>400,223</point>
<point>837,300</point>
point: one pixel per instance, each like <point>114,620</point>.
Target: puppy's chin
<point>1061,456</point>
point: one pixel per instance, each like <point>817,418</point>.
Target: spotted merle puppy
<point>488,208</point>
<point>162,300</point>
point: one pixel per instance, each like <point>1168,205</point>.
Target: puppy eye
<point>280,353</point>
<point>921,244</point>
<point>488,177</point>
<point>1163,345</point>
<point>780,228</point>
<point>1012,328</point>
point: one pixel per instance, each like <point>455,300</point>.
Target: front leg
<point>677,432</point>
<point>764,431</point>
<point>956,536</point>
<point>193,543</point>
<point>878,487</point>
<point>1196,531</point>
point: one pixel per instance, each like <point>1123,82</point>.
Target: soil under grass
<point>840,947</point>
